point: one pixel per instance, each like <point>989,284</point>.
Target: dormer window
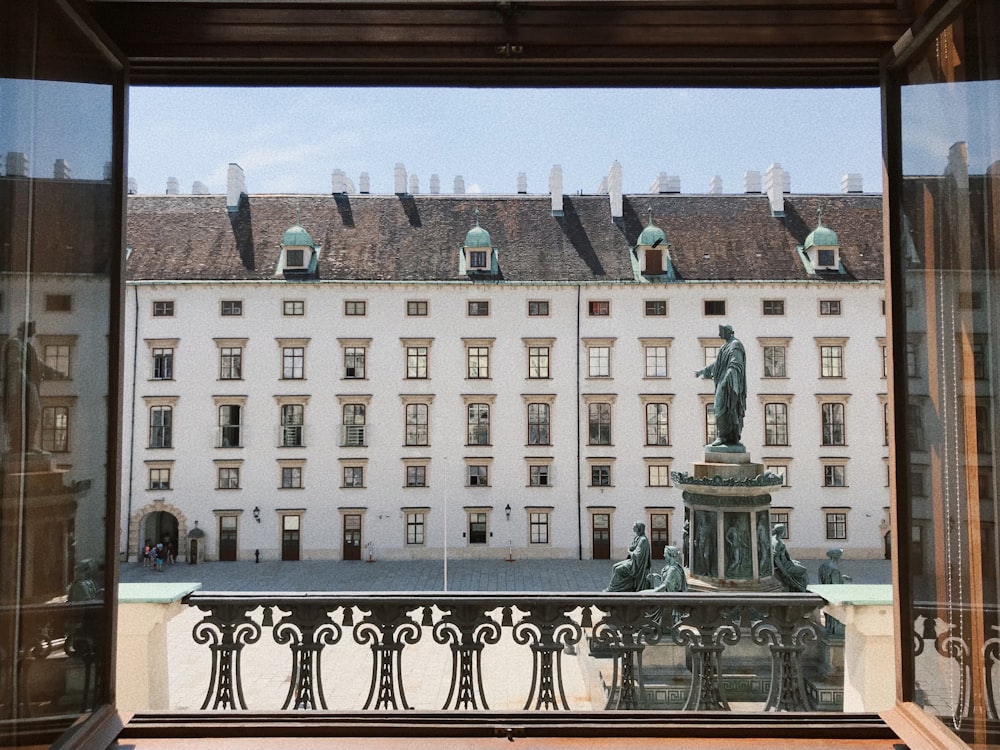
<point>826,258</point>
<point>295,258</point>
<point>651,255</point>
<point>477,260</point>
<point>299,254</point>
<point>821,251</point>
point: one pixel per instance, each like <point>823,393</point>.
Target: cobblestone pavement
<point>425,575</point>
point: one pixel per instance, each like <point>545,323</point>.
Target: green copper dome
<point>296,236</point>
<point>822,237</point>
<point>650,235</point>
<point>478,237</point>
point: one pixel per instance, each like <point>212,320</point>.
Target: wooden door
<point>601,535</point>
<point>352,536</point>
<point>290,537</point>
<point>227,539</point>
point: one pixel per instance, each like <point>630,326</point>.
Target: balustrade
<point>620,627</point>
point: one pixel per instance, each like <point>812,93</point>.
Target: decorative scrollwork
<point>548,630</point>
<point>955,647</point>
<point>387,628</point>
<point>625,631</point>
<point>307,629</point>
<point>468,630</point>
<point>227,628</point>
<point>785,630</point>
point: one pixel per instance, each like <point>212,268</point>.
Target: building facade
<point>357,376</point>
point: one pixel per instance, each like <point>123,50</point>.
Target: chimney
<point>775,181</point>
<point>459,185</point>
<point>672,184</point>
<point>751,181</point>
<point>435,184</point>
<point>659,183</point>
<point>236,187</point>
<point>133,186</point>
<point>364,183</point>
<point>852,183</point>
<point>414,185</point>
<point>61,170</point>
<point>556,189</point>
<point>173,186</point>
<point>399,179</point>
<point>602,189</point>
<point>17,164</point>
<point>522,183</point>
<point>715,186</point>
<point>615,190</point>
<point>199,188</point>
<point>340,183</point>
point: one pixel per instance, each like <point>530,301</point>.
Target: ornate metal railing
<point>699,628</point>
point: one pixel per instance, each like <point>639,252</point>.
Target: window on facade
<point>711,432</point>
<point>780,470</point>
<point>354,362</point>
<point>658,475</point>
<point>293,359</point>
<point>292,425</point>
<point>539,475</point>
<point>829,307</point>
<point>885,423</point>
<point>159,478</point>
<point>477,528</point>
<point>230,425</point>
<point>55,429</point>
<point>416,476</point>
<point>353,307</point>
<point>163,308</point>
<point>656,361</point>
<point>161,427</point>
<point>293,307</point>
<point>229,478</point>
<point>709,354</point>
<point>538,527</point>
<point>833,424</point>
<point>538,308</point>
<point>415,527</point>
<point>230,363</point>
<point>538,424</point>
<point>477,259</point>
<point>478,424</point>
<point>478,475</point>
<point>599,361</point>
<point>598,308</point>
<point>416,362</point>
<point>57,356</point>
<point>912,362</point>
<point>354,477</point>
<point>291,477</point>
<point>775,424</point>
<point>836,525</point>
<point>715,307</point>
<point>773,307</point>
<point>655,307</point>
<point>980,361</point>
<point>232,307</point>
<point>885,361</point>
<point>58,303</point>
<point>915,427</point>
<point>416,308</point>
<point>163,363</point>
<point>657,424</point>
<point>774,361</point>
<point>600,475</point>
<point>478,362</point>
<point>831,361</point>
<point>984,429</point>
<point>478,308</point>
<point>834,475</point>
<point>354,425</point>
<point>538,362</point>
<point>599,423</point>
<point>416,424</point>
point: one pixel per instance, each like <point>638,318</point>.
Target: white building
<point>355,375</point>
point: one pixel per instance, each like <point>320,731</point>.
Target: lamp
<point>256,513</point>
<point>507,511</point>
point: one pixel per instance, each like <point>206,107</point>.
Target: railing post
<point>549,630</point>
<point>706,630</point>
<point>227,628</point>
<point>308,629</point>
<point>786,630</point>
<point>387,628</point>
<point>468,630</point>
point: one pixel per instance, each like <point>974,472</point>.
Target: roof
<point>413,237</point>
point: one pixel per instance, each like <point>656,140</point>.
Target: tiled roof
<point>417,237</point>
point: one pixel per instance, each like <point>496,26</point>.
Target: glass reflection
<point>57,248</point>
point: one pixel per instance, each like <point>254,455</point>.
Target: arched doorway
<point>158,522</point>
<point>161,527</point>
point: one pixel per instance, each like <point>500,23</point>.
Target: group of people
<point>155,555</point>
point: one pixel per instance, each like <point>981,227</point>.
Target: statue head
<point>725,331</point>
<point>671,554</point>
<point>779,531</point>
<point>639,528</point>
<point>834,553</point>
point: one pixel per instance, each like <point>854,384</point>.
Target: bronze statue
<point>632,573</point>
<point>791,573</point>
<point>23,371</point>
<point>729,373</point>
<point>672,577</point>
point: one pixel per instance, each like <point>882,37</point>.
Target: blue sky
<point>291,139</point>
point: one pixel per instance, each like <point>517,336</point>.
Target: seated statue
<point>633,573</point>
<point>672,577</point>
<point>792,574</point>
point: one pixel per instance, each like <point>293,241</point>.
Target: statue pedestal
<point>727,501</point>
